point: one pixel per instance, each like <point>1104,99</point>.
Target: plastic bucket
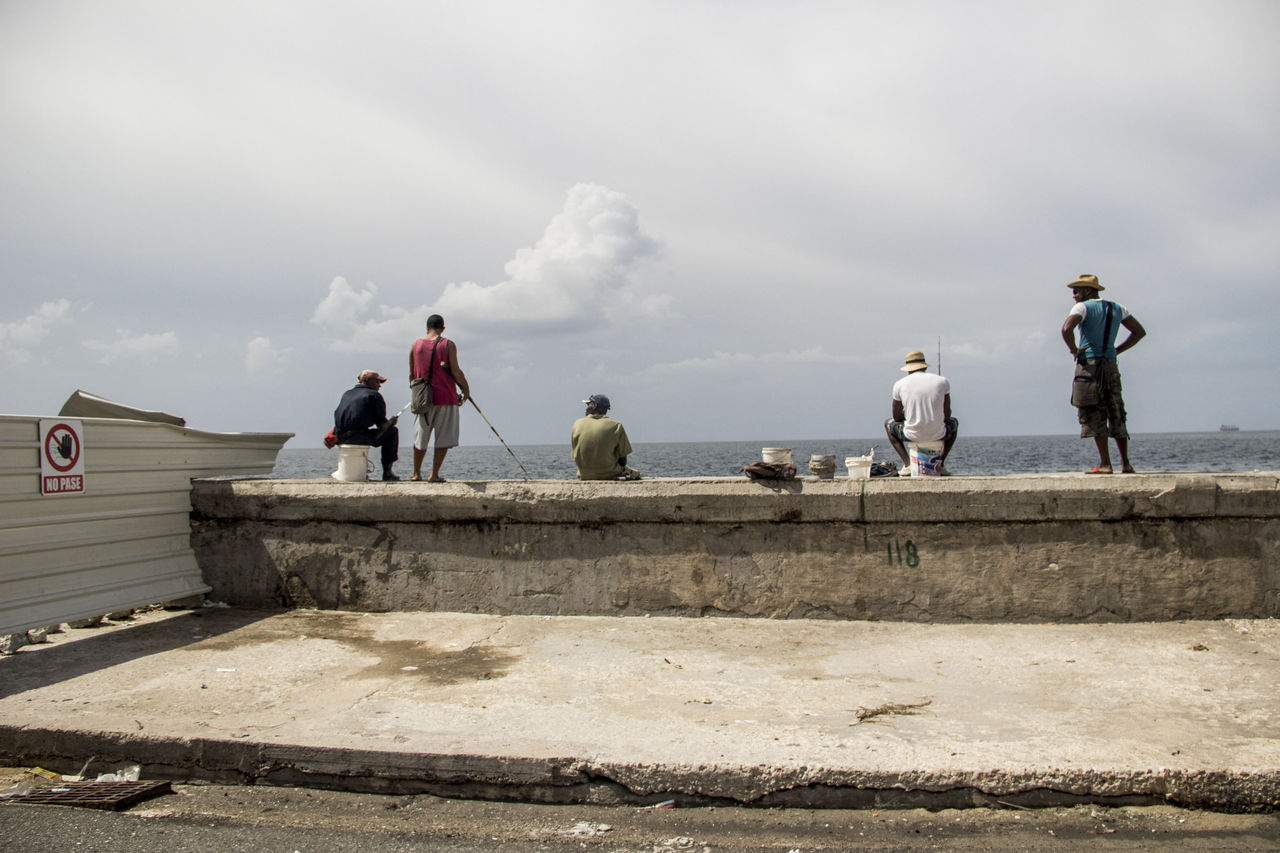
<point>823,465</point>
<point>776,454</point>
<point>353,463</point>
<point>925,456</point>
<point>859,466</point>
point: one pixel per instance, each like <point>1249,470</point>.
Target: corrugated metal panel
<point>126,541</point>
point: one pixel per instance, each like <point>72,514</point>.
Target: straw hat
<point>1086,280</point>
<point>915,361</point>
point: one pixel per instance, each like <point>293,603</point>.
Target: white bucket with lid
<point>926,458</point>
<point>822,465</point>
<point>859,466</point>
<point>776,454</point>
<point>353,463</point>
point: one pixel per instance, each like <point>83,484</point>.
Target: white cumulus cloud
<point>344,310</point>
<point>343,304</point>
<point>129,346</point>
<point>261,356</point>
<point>393,330</point>
<point>17,339</point>
<point>578,274</point>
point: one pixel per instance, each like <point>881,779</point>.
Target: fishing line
<point>504,444</point>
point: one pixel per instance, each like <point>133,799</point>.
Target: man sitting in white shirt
<point>921,411</point>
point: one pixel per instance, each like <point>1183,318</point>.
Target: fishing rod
<point>472,400</point>
<point>396,415</point>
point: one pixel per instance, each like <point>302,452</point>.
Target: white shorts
<point>443,420</point>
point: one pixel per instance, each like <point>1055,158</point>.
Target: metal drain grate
<point>94,795</point>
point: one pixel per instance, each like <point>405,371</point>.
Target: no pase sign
<point>61,457</point>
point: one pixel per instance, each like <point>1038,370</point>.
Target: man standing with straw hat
<point>1096,393</point>
<point>921,411</point>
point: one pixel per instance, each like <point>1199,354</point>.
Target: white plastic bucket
<point>859,466</point>
<point>353,463</point>
<point>925,456</point>
<point>823,465</point>
<point>776,454</point>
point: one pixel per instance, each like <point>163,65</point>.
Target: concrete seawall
<point>1064,548</point>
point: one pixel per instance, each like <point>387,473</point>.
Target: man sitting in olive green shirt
<point>600,445</point>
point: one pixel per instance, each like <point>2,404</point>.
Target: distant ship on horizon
<point>1228,428</point>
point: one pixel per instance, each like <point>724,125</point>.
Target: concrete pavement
<point>608,709</point>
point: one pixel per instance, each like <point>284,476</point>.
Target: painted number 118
<point>903,553</point>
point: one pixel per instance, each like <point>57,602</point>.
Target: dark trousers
<point>388,440</point>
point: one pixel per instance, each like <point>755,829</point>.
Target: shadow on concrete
<point>40,665</point>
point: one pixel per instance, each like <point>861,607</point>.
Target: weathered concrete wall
<point>1066,548</point>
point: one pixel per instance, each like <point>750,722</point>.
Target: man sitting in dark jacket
<point>361,418</point>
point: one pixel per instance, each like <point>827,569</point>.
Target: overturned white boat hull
<point>121,540</point>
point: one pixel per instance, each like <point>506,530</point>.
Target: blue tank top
<point>1093,325</point>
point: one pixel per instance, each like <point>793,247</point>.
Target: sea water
<point>1213,452</point>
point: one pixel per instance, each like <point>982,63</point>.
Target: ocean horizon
<point>1209,452</point>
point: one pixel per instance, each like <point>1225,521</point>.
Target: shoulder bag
<point>1086,385</point>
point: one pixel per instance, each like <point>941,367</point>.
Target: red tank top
<point>443,390</point>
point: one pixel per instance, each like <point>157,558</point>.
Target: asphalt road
<point>267,820</point>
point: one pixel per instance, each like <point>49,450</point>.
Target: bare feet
<point>436,480</point>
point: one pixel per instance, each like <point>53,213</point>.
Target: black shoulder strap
<point>432,369</point>
<point>1106,331</point>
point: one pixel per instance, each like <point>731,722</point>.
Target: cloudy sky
<point>734,218</point>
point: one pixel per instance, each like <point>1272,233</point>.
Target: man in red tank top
<point>434,359</point>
